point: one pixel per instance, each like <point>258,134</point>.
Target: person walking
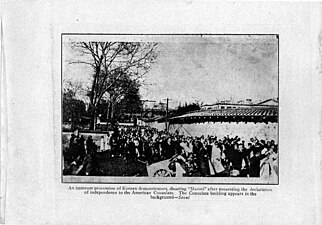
<point>216,159</point>
<point>108,145</point>
<point>102,144</point>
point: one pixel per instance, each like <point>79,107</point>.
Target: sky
<point>207,69</point>
<point>209,72</point>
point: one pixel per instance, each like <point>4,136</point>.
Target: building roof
<point>244,104</point>
<point>249,114</point>
<point>268,100</point>
<point>225,103</point>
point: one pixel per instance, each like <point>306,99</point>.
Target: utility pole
<point>167,115</point>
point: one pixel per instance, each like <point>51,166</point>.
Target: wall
<point>244,130</point>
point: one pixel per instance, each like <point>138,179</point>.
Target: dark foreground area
<point>118,166</point>
<point>100,165</point>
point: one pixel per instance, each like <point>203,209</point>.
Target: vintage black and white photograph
<point>170,108</point>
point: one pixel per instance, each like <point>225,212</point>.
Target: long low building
<point>248,114</point>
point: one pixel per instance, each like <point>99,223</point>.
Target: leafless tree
<point>109,61</point>
<point>74,87</point>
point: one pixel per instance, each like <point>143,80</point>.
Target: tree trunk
<point>93,113</point>
<point>72,122</point>
<point>112,115</point>
<point>92,122</point>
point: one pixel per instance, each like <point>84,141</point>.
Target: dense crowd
<point>198,156</point>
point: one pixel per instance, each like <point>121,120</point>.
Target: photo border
<point>71,178</point>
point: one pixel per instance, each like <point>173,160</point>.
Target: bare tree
<point>73,108</point>
<point>109,61</point>
<point>74,87</point>
<point>124,86</point>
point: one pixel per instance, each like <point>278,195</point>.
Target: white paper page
<point>32,40</point>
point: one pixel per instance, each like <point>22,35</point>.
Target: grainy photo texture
<point>170,108</point>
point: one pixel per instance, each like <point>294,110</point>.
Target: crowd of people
<point>199,156</point>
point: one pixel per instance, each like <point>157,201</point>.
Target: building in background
<point>240,104</point>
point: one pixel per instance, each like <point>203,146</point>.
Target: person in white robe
<point>102,144</point>
<point>269,166</point>
<point>216,159</point>
<point>107,142</point>
<point>186,147</point>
